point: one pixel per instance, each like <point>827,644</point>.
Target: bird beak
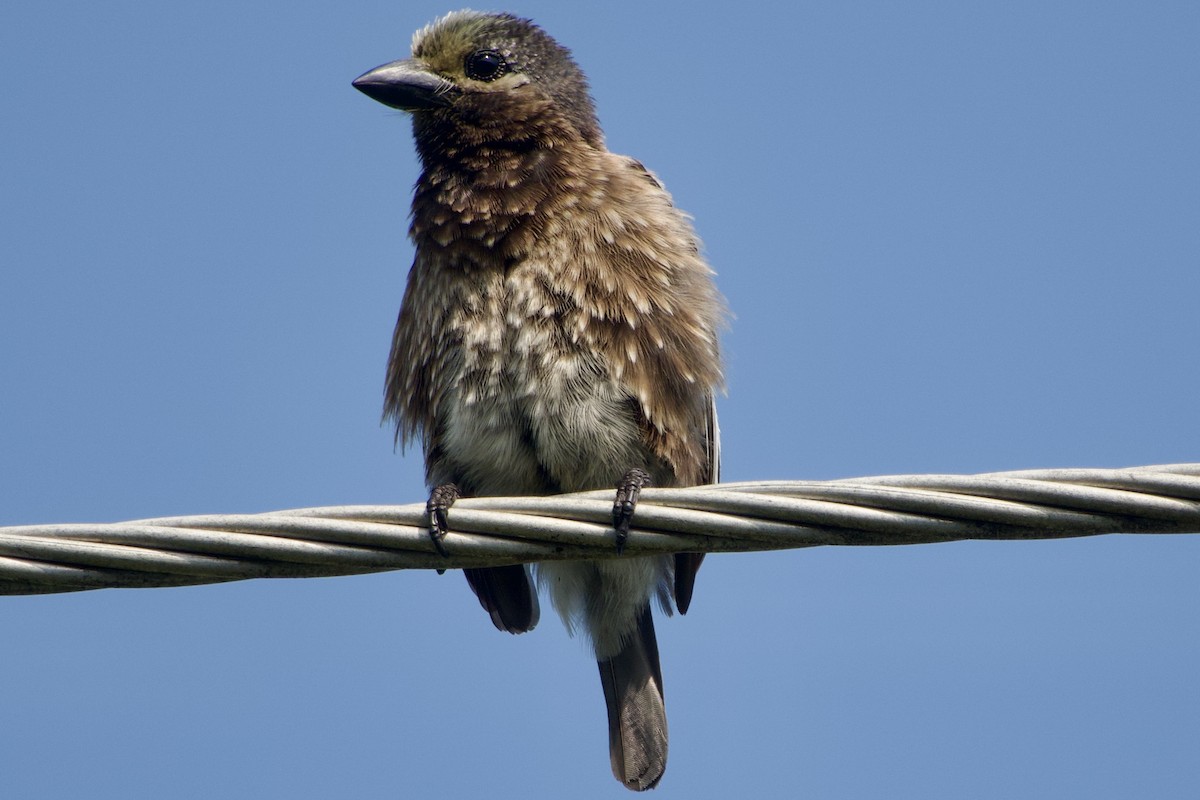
<point>405,85</point>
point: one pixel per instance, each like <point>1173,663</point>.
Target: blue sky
<point>956,238</point>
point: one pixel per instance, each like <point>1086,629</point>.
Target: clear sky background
<point>958,237</point>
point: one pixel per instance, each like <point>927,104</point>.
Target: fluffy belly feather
<point>526,395</point>
<point>603,599</point>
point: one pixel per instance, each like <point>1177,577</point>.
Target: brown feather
<point>559,327</point>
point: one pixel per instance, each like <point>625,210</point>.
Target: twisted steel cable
<point>491,531</point>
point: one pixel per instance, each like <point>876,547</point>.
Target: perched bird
<point>558,333</point>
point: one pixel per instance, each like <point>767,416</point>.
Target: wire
<point>492,531</point>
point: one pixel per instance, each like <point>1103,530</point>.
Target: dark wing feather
<point>507,594</point>
<point>687,564</point>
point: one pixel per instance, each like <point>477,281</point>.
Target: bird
<point>559,332</point>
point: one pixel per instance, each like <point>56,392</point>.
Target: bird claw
<point>440,500</point>
<point>628,491</point>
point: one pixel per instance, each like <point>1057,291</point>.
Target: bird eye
<point>486,65</point>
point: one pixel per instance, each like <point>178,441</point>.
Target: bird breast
<point>525,392</point>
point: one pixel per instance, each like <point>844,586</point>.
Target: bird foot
<point>440,500</point>
<point>628,491</point>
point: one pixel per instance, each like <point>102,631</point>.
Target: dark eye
<point>486,65</point>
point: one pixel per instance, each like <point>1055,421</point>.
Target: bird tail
<point>637,718</point>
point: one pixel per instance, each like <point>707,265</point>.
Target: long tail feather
<point>637,718</point>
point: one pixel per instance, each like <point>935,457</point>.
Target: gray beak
<point>405,85</point>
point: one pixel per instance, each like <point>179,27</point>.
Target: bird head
<point>482,71</point>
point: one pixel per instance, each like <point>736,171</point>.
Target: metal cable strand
<point>490,531</point>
